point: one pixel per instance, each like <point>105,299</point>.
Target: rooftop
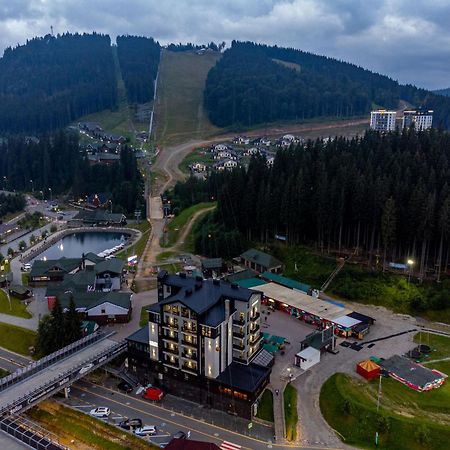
<point>279,279</point>
<point>141,336</point>
<point>304,302</point>
<point>242,377</point>
<point>261,258</point>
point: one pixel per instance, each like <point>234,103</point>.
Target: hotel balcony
<point>173,364</point>
<point>256,342</point>
<point>170,338</point>
<point>255,317</point>
<point>254,329</point>
<point>190,369</point>
<point>239,346</point>
<point>169,325</point>
<point>238,334</point>
<point>186,355</point>
<point>192,344</point>
<point>191,330</point>
<point>239,322</point>
<point>173,351</point>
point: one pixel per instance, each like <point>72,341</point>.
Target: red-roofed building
<point>187,444</point>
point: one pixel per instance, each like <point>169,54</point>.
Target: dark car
<point>180,435</point>
<point>125,387</point>
<point>130,424</point>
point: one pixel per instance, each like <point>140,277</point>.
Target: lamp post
<point>51,194</point>
<point>410,263</point>
<point>32,186</point>
<point>5,182</point>
<point>110,206</point>
<point>42,194</point>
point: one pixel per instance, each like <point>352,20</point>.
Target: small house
<point>307,358</point>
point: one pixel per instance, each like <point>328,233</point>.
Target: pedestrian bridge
<point>42,379</point>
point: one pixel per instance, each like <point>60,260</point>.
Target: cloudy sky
<point>407,40</point>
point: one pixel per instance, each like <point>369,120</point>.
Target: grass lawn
<point>15,308</point>
<point>290,412</point>
<point>16,339</point>
<point>198,155</point>
<point>25,278</point>
<point>144,316</point>
<point>393,291</point>
<point>165,255</point>
<point>303,265</point>
<point>172,268</point>
<point>440,345</point>
<point>407,420</point>
<point>138,247</point>
<point>179,222</point>
<point>71,425</point>
<point>3,372</point>
<point>180,117</point>
<point>265,407</point>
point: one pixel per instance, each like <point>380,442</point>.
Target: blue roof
<point>250,282</point>
<point>287,282</point>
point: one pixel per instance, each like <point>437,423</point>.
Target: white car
<point>146,430</point>
<point>101,411</point>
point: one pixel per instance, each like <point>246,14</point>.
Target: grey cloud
<point>406,40</point>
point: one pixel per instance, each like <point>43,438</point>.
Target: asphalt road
<point>85,396</point>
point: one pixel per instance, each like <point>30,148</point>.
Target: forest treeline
<point>56,163</point>
<point>10,203</point>
<point>385,195</point>
<point>139,60</point>
<point>51,81</point>
<point>251,85</point>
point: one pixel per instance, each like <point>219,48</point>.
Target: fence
<point>30,433</point>
<point>36,366</point>
<point>62,380</point>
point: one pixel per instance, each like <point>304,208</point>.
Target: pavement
<point>85,395</point>
<point>313,429</point>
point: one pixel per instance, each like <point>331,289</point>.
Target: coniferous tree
<point>73,324</point>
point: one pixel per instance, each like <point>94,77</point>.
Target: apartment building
<point>382,120</point>
<point>421,118</point>
<point>201,342</point>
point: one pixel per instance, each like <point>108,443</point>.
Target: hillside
<point>139,60</point>
<point>51,81</point>
<point>445,92</point>
<point>249,86</point>
<point>179,103</point>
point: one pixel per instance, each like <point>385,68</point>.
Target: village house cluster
<point>237,153</point>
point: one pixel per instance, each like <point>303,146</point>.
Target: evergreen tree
<point>73,324</point>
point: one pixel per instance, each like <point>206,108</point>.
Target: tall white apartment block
<point>421,118</point>
<point>382,120</point>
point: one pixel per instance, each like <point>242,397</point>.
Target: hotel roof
<point>323,309</point>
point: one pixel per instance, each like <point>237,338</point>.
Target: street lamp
<point>32,185</point>
<point>42,194</point>
<point>410,263</point>
<point>110,206</point>
<point>50,189</point>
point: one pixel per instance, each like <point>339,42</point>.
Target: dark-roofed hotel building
<point>200,343</point>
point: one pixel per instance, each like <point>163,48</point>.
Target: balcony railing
<point>173,364</point>
<point>189,356</point>
<point>192,369</point>
<point>191,330</point>
<point>170,338</point>
<point>255,316</point>
<point>254,342</point>
<point>238,334</point>
<point>238,346</point>
<point>170,325</point>
<point>189,343</point>
<point>173,351</point>
<point>254,329</point>
<point>239,322</point>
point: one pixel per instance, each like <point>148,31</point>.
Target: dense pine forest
<point>255,84</point>
<point>139,60</point>
<point>385,195</point>
<point>56,163</point>
<point>11,204</point>
<point>50,81</point>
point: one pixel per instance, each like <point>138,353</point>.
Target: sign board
<point>250,425</point>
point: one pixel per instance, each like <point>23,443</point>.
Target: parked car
<point>130,424</point>
<point>100,411</point>
<point>125,387</point>
<point>26,267</point>
<point>146,430</point>
<point>153,393</point>
<point>180,435</point>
